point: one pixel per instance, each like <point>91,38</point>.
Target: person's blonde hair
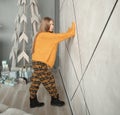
<point>44,27</point>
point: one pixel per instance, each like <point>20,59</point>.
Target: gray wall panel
<point>91,18</point>
<point>71,44</point>
<point>78,104</point>
<point>68,73</point>
<point>97,42</point>
<point>102,78</point>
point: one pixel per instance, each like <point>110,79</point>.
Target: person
<point>43,58</point>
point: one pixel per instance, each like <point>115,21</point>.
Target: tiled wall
<point>90,63</point>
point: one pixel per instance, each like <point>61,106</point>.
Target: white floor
<point>18,97</point>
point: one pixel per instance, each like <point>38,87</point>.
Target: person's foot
<point>34,103</point>
<point>57,102</point>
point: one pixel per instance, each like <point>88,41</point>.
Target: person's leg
<point>34,87</point>
<point>51,81</point>
<point>47,79</point>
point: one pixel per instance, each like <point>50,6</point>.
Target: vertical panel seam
<point>72,62</point>
<point>62,5</point>
<point>66,92</point>
<point>77,36</point>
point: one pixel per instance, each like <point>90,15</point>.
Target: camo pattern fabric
<point>42,74</point>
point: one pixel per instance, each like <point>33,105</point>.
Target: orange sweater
<point>46,43</point>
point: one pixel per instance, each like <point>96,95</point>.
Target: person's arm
<point>58,37</point>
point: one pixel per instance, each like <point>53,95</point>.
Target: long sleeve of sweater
<point>62,36</point>
<point>46,43</point>
<point>58,37</point>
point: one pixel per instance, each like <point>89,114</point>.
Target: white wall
<point>89,63</point>
<point>8,11</point>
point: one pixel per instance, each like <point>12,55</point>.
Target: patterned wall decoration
<point>22,43</point>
